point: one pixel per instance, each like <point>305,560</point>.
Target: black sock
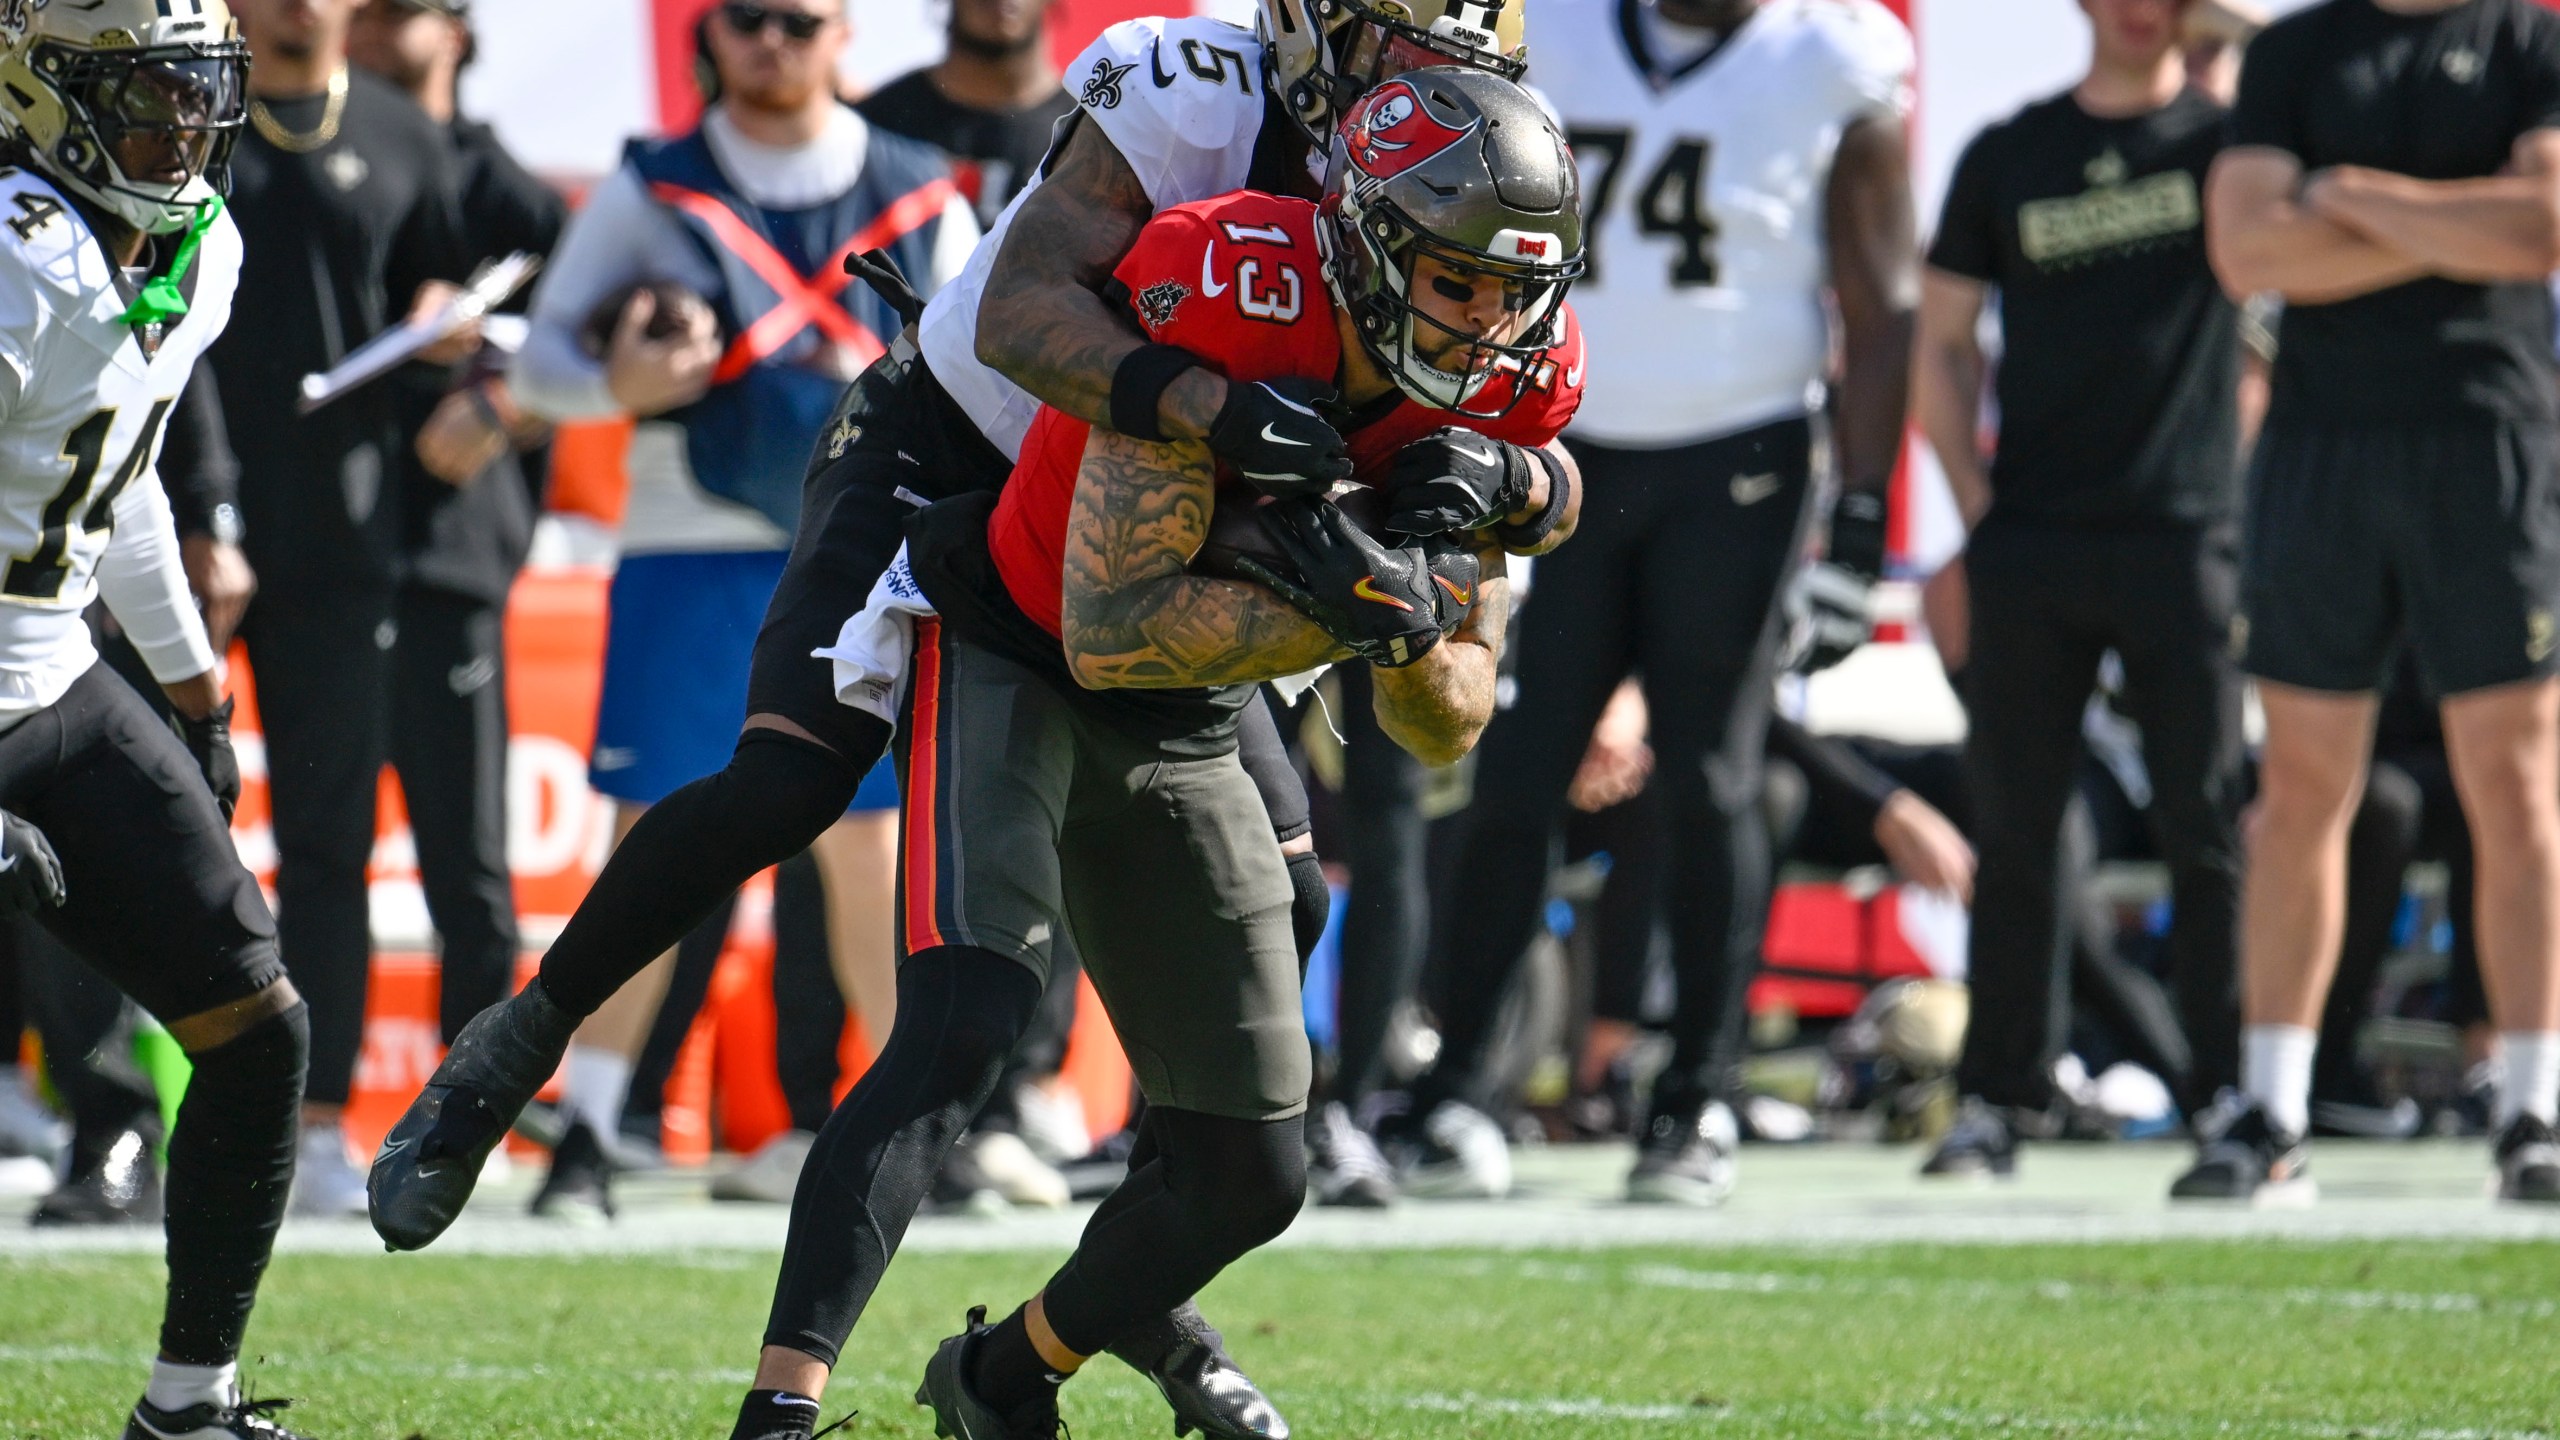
<point>1009,1373</point>
<point>766,1414</point>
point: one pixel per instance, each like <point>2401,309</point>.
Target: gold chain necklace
<point>295,144</point>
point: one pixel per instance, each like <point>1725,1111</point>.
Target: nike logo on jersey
<point>1155,62</point>
<point>1752,489</point>
<point>8,863</point>
<point>1367,589</point>
<point>1209,285</point>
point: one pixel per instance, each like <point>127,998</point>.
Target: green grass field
<point>2253,1338</point>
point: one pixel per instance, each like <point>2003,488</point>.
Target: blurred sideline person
<point>471,487</point>
<point>2395,175</point>
<point>1742,159</point>
<point>992,103</point>
<point>731,375</point>
<point>2103,521</point>
<point>119,270</point>
<point>347,202</point>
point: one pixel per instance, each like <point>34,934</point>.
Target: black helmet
<point>1464,167</point>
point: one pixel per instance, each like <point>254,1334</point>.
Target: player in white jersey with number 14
<point>116,271</point>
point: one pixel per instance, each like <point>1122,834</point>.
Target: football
<point>1235,531</point>
<point>596,335</point>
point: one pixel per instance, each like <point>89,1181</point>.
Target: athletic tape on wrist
<point>1138,386</point>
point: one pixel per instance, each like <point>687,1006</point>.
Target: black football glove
<point>1456,479</point>
<point>1380,602</point>
<point>1831,605</point>
<point>1281,436</point>
<point>1455,573</point>
<point>209,740</point>
<point>30,873</point>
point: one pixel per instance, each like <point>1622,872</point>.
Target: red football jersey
<point>1239,282</point>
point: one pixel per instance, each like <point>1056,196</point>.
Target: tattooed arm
<point>1042,322</point>
<point>1134,617</point>
<point>1436,707</point>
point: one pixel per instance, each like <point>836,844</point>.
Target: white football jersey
<point>1182,99</point>
<point>1702,193</point>
<point>82,412</point>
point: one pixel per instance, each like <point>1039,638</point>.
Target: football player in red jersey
<point>1066,735</point>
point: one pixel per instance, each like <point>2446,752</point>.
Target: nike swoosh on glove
<point>1455,573</point>
<point>1380,602</point>
<point>30,873</point>
<point>1456,479</point>
<point>1282,436</point>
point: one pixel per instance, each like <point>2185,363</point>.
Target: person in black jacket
<point>345,193</point>
<point>473,479</point>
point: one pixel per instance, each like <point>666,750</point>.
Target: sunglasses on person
<point>748,21</point>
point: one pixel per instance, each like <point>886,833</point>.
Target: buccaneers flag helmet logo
<point>1389,131</point>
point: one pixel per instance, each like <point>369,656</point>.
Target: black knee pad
<point>253,1068</point>
<point>961,1012</point>
<point>1243,1181</point>
<point>794,781</point>
<point>1310,906</point>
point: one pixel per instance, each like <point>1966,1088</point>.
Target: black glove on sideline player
<point>1456,479</point>
<point>1831,605</point>
<point>30,873</point>
<point>1381,603</point>
<point>1281,437</point>
<point>209,740</point>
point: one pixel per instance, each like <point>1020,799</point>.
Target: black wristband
<point>1858,531</point>
<point>1138,386</point>
<point>1531,533</point>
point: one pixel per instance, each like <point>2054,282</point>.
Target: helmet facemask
<point>1378,261</point>
<point>173,112</point>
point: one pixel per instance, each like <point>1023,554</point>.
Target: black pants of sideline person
<point>345,684</point>
<point>1675,574</point>
<point>2049,601</point>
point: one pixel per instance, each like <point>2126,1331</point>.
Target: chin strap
<point>161,301</point>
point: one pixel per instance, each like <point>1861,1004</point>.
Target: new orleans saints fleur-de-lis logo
<point>1102,91</point>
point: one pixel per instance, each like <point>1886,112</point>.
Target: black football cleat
<point>2528,1153</point>
<point>958,1413</point>
<point>1686,1157</point>
<point>2242,1156</point>
<point>115,1186</point>
<point>579,1185</point>
<point>244,1421</point>
<point>1981,1145</point>
<point>1345,1167</point>
<point>422,1176</point>
<point>1187,1359</point>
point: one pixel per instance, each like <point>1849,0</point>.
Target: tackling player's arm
<point>1042,322</point>
<point>1875,273</point>
<point>2500,228</point>
<point>1437,707</point>
<point>1133,617</point>
<point>2263,238</point>
<point>1946,384</point>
